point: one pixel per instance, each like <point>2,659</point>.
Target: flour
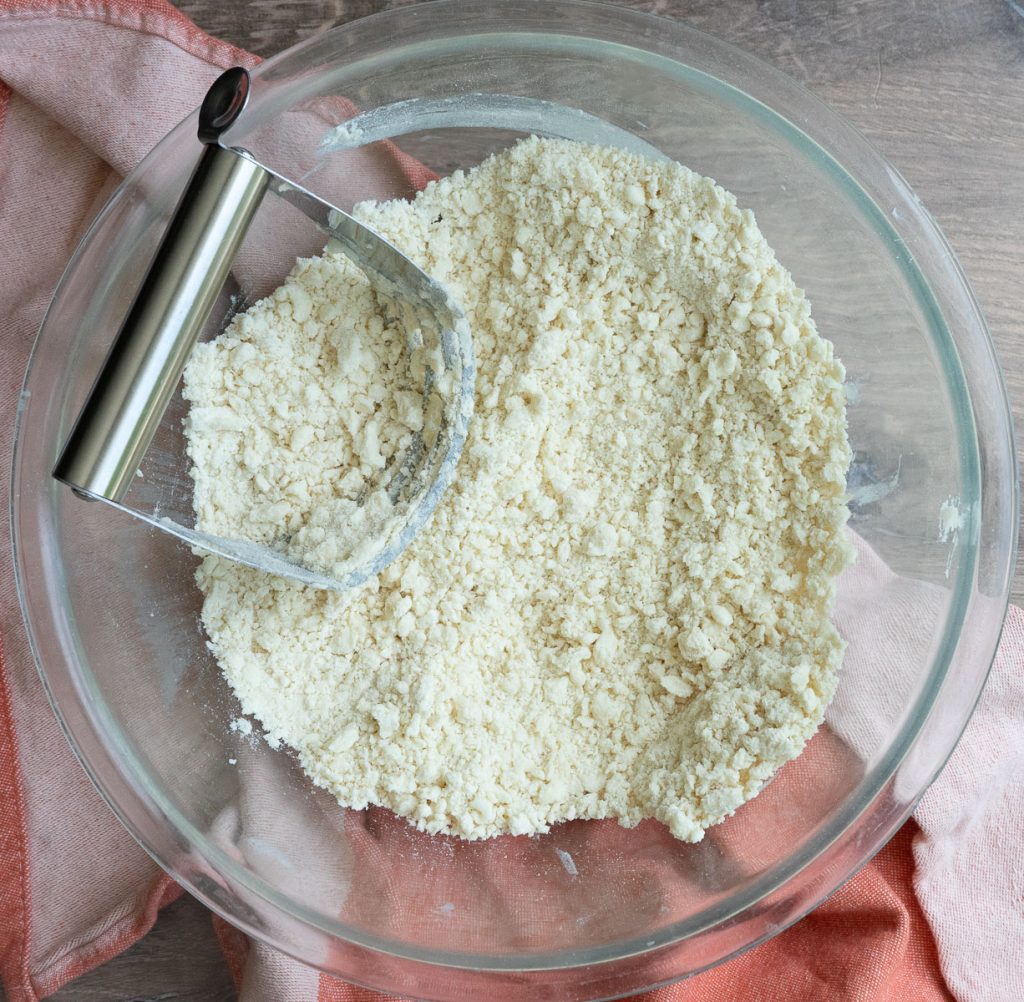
<point>296,411</point>
<point>621,607</point>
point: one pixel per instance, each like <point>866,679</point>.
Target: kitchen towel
<point>86,89</point>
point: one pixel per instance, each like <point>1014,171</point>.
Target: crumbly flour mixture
<point>621,607</point>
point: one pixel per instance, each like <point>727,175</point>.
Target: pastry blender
<point>128,401</point>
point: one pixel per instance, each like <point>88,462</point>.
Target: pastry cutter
<point>128,401</point>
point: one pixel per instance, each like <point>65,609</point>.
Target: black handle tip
<point>223,103</point>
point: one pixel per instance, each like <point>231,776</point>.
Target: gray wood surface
<point>937,85</point>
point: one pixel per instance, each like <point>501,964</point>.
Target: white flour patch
<point>567,862</point>
<point>240,726</point>
<point>620,609</point>
<point>951,521</point>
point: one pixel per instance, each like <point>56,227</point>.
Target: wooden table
<point>937,85</point>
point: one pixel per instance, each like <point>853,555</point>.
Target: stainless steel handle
<point>131,393</point>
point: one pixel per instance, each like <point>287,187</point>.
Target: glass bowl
<point>589,910</point>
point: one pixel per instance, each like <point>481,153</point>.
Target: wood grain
<point>179,960</point>
<point>937,85</point>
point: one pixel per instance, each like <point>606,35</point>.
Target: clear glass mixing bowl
<point>589,910</point>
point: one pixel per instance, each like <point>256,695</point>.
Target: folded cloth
<point>939,913</point>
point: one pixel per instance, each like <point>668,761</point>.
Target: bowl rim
<point>117,749</point>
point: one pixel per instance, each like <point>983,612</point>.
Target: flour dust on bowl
<point>588,909</point>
